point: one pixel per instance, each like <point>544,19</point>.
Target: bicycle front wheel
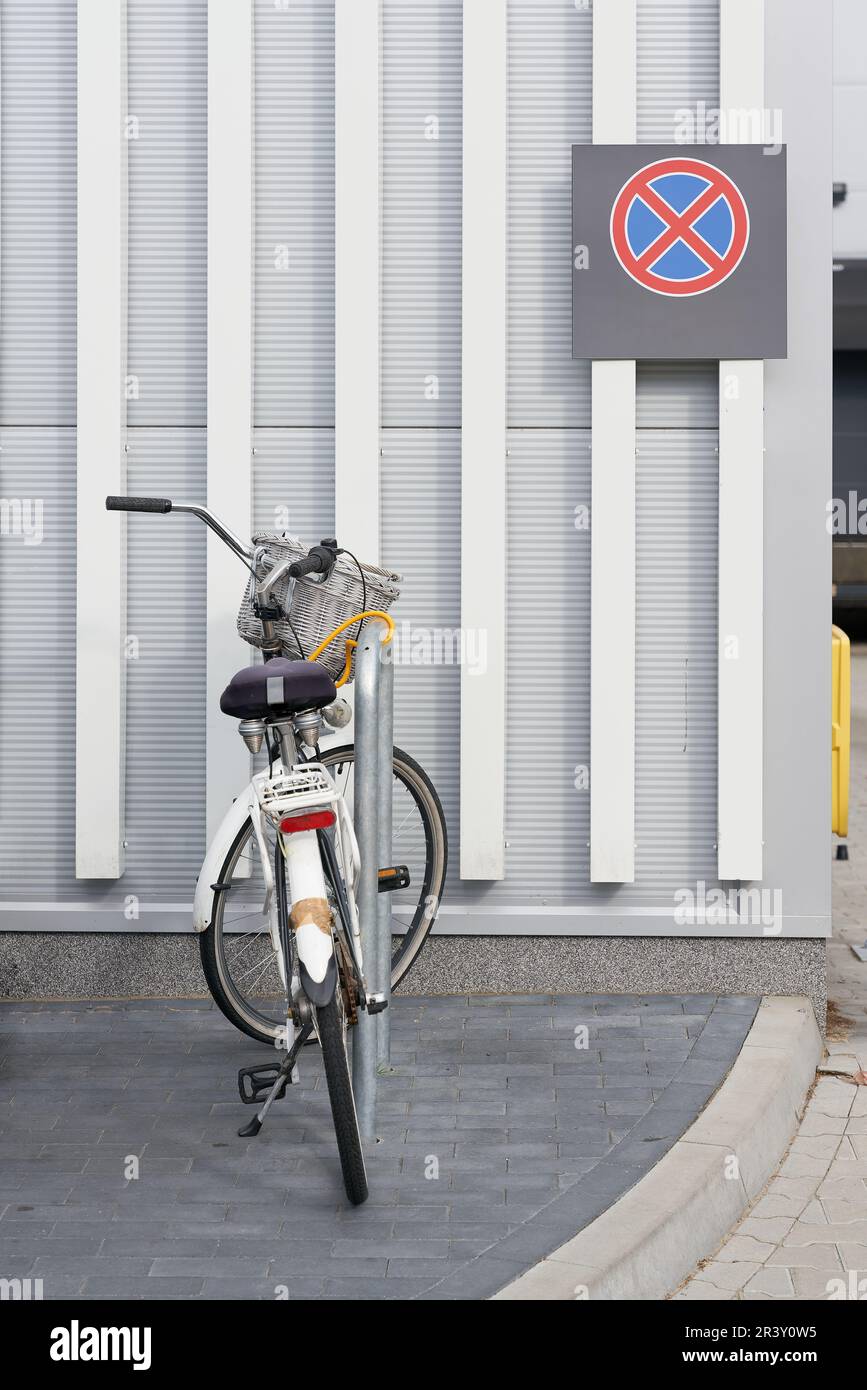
<point>419,841</point>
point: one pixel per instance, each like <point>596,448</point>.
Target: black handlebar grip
<point>311,564</point>
<point>137,504</point>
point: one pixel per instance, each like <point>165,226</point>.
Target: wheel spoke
<point>267,964</point>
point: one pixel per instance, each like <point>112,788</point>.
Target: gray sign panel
<point>678,251</point>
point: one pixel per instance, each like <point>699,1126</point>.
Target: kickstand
<point>278,1089</point>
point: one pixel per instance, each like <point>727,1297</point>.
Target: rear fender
<point>217,852</point>
<point>310,915</point>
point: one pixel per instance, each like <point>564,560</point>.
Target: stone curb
<point>644,1245</point>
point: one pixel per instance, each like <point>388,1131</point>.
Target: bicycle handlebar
<point>162,504</point>
<point>320,559</point>
<point>137,504</point>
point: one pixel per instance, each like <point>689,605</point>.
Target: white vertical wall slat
<point>230,370</point>
<point>612,578</point>
<point>357,275</point>
<point>483,435</point>
<point>741,521</point>
<point>101,430</point>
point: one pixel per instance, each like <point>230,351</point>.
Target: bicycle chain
<point>347,985</point>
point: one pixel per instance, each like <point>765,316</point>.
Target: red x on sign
<point>679,226</point>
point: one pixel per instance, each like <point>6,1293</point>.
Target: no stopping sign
<point>680,226</point>
<point>678,252</point>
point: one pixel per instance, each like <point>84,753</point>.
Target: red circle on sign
<point>680,227</point>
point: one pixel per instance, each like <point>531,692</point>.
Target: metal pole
<point>367,687</point>
<point>384,789</point>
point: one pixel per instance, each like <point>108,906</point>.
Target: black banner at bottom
<point>144,1337</point>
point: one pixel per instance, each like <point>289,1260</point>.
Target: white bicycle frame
<point>270,797</point>
<point>289,786</point>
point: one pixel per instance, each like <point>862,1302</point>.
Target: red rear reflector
<point>307,820</point>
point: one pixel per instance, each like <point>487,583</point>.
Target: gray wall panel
<point>684,394</point>
<point>421,531</point>
<point>168,211</point>
<point>677,498</point>
<point>165,707</point>
<point>37,713</point>
<point>37,208</point>
<point>550,100</point>
<point>548,713</point>
<point>293,483</point>
<point>421,213</point>
<point>293,371</point>
<point>678,64</point>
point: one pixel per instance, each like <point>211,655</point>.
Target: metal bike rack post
<point>384,846</point>
<point>369,669</point>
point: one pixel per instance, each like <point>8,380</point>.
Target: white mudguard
<point>215,857</point>
<point>310,914</point>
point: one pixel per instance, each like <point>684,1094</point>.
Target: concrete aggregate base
<point>90,965</point>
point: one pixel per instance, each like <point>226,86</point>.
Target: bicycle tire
<point>329,1026</point>
<point>426,798</point>
<point>232,1004</point>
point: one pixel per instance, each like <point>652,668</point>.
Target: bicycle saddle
<point>277,688</point>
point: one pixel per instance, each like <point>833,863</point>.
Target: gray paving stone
<point>477,1280</point>
<point>203,1267</point>
<point>296,1289</point>
<point>371,1289</point>
<point>534,1138</point>
<point>107,1266</point>
<point>73,1244</point>
<point>174,1246</point>
<point>99,1286</point>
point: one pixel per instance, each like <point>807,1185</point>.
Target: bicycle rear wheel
<point>238,960</point>
<point>331,1027</point>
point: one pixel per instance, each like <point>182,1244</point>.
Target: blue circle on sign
<point>716,226</point>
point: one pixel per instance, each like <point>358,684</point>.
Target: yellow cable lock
<point>352,642</point>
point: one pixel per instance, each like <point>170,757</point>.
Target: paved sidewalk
<point>807,1235</point>
<point>123,1177</point>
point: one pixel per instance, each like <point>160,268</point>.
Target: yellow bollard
<point>841,712</point>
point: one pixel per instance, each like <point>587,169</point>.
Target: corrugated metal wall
<point>37,462</point>
<point>421,214</point>
<point>293,369</point>
<point>547,815</point>
<point>548,415</point>
<point>166,417</point>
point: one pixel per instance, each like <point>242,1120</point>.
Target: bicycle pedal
<point>395,877</point>
<point>254,1083</point>
<point>375,1003</point>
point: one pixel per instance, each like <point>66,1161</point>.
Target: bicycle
<point>275,905</point>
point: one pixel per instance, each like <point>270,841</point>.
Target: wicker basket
<point>315,609</point>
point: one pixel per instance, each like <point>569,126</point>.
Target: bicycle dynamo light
<point>337,715</point>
